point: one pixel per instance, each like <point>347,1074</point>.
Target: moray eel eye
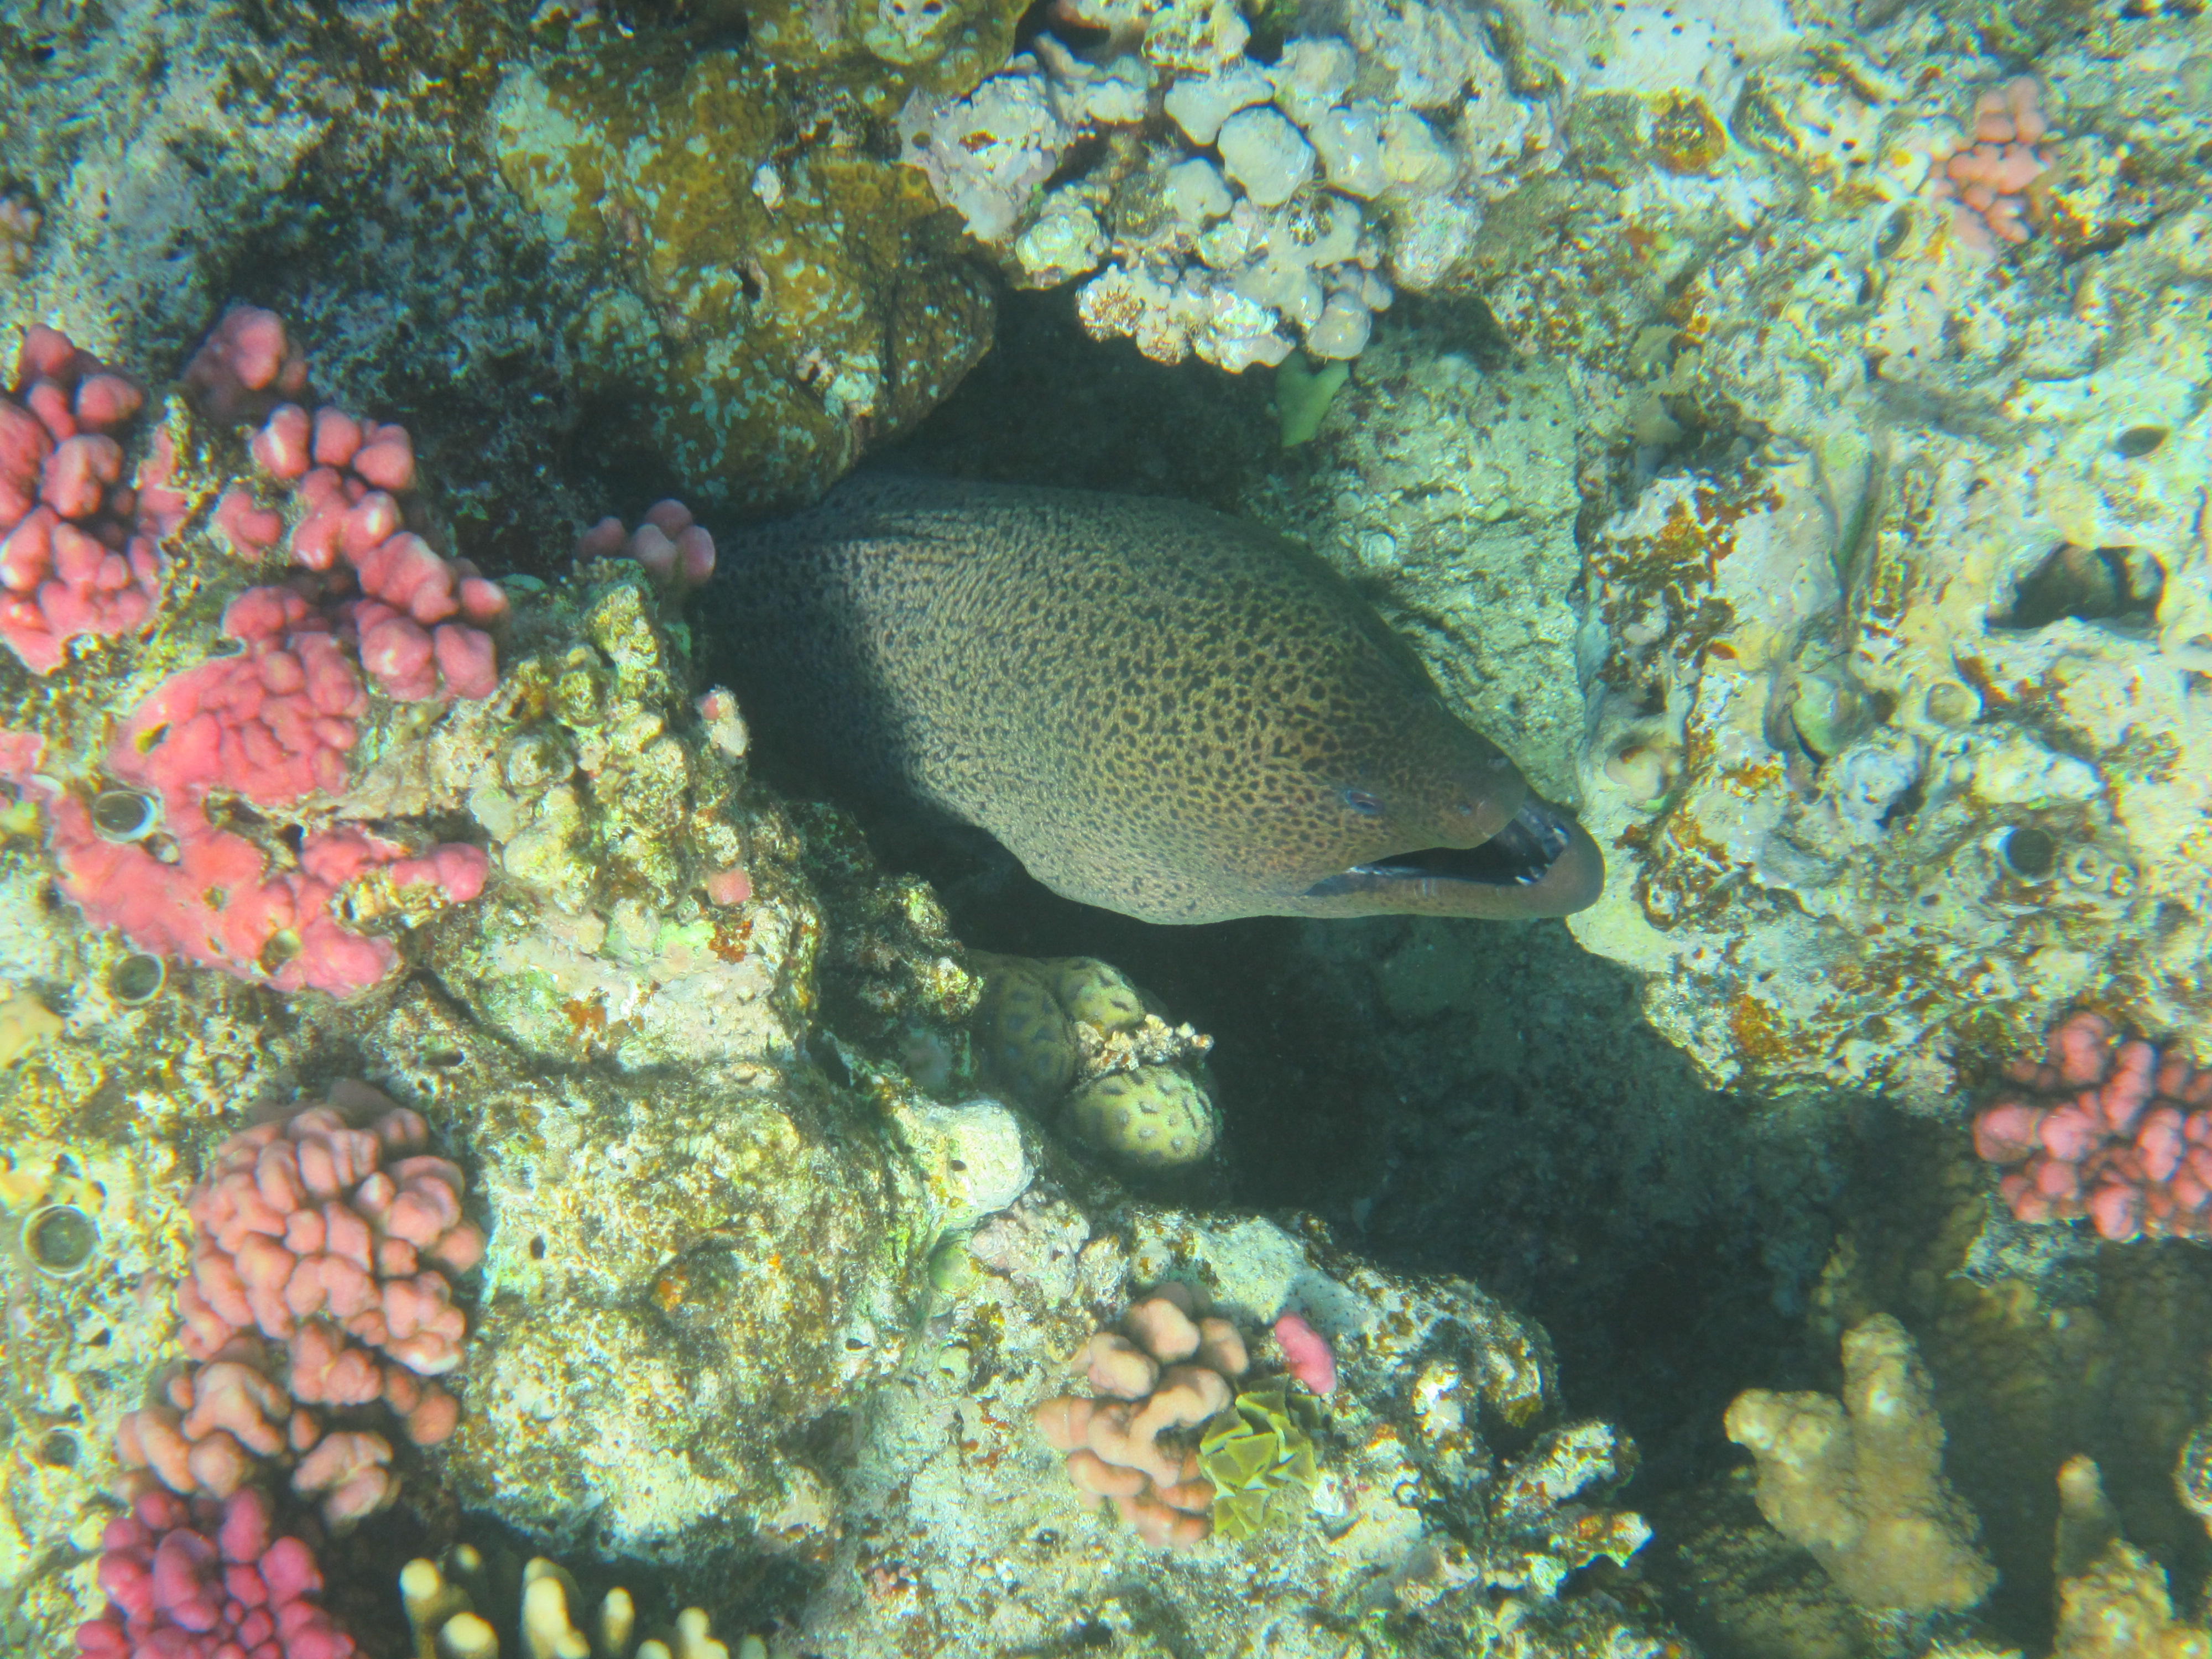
<point>1542,855</point>
<point>1362,803</point>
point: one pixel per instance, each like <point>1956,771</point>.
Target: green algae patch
<point>1304,391</point>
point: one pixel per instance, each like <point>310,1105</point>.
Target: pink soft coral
<point>1989,181</point>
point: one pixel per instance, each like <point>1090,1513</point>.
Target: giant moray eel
<point>1157,709</point>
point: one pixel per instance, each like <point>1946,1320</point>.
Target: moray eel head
<point>1454,831</point>
<point>1542,863</point>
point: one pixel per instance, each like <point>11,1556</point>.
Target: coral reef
<point>1233,207</point>
<point>82,1218</point>
<point>643,917</point>
<point>1451,1497</point>
<point>640,1381</point>
<point>1739,1589</point>
<point>1259,1454</point>
<point>75,557</point>
<point>1176,1374</point>
<point>1892,570</point>
<point>651,1349</point>
<point>2042,1343</point>
<point>2118,1132</point>
<point>140,835</point>
<point>761,310</point>
<point>418,621</point>
<point>1890,751</point>
<point>1836,537</point>
<point>1306,1356</point>
<point>1989,181</point>
<point>1860,1482</point>
<point>336,174</point>
<point>1151,1117</point>
<point>2113,1600</point>
<point>442,1611</point>
<point>353,182</point>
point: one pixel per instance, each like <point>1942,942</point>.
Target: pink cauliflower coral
<point>2117,1130</point>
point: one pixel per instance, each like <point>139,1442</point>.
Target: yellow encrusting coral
<point>771,296</point>
<point>25,1023</point>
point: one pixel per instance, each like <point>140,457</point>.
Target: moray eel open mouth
<point>1542,862</point>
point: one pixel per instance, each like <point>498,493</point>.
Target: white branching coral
<point>1228,208</point>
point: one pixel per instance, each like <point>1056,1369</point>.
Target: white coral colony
<point>1278,205</point>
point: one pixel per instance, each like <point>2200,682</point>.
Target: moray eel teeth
<point>1542,863</point>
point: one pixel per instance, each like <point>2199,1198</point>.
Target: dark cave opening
<point>1535,1165</point>
<point>1514,1134</point>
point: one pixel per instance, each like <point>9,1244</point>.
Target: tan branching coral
<point>1169,1370</point>
<point>441,1604</point>
<point>1860,1484</point>
<point>2113,1599</point>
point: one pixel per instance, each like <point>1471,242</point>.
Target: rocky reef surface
<point>1887,719</point>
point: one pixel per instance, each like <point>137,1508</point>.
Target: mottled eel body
<point>1157,709</point>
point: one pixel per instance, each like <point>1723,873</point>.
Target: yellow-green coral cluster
<point>1261,1456</point>
<point>1074,1030</point>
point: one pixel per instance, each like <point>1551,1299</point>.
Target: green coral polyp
<point>1155,1117</point>
<point>1261,1457</point>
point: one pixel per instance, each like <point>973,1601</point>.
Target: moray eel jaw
<point>1542,863</point>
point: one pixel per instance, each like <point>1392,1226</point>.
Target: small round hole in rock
<point>123,815</point>
<point>2031,853</point>
<point>61,1238</point>
<point>137,978</point>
